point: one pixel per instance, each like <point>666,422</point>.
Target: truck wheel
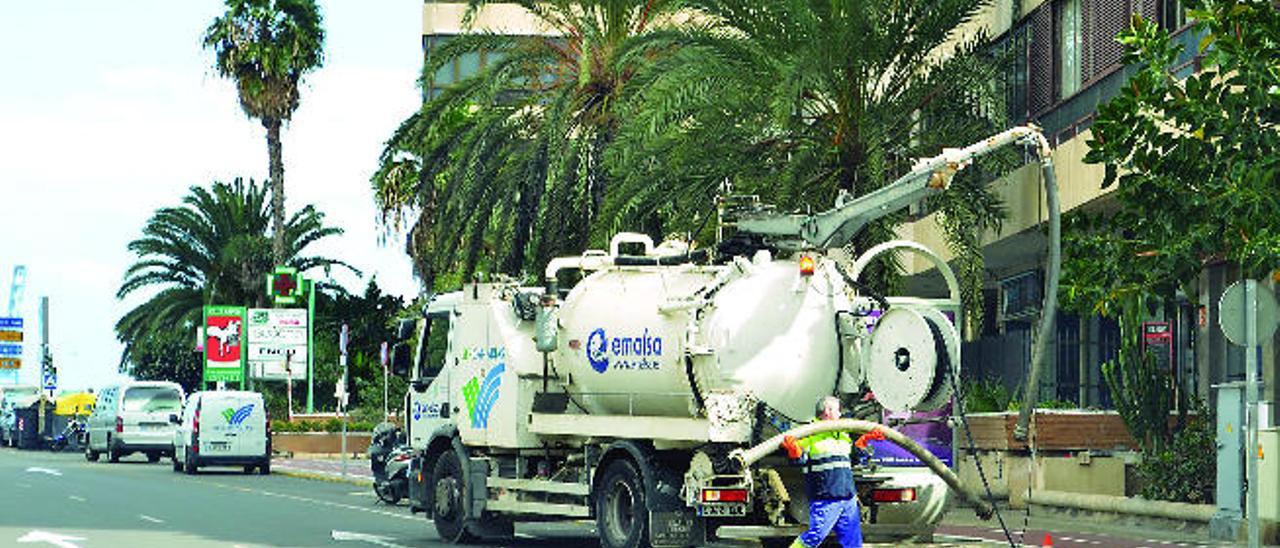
<point>622,516</point>
<point>153,457</point>
<point>189,463</point>
<point>113,455</point>
<point>89,454</point>
<point>447,509</point>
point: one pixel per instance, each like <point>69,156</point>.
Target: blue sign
<point>10,323</point>
<point>14,350</point>
<point>50,380</point>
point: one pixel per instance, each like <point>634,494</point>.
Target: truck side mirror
<point>400,359</point>
<point>404,329</point>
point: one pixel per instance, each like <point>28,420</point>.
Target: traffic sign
<point>50,378</point>
<point>10,335</point>
<point>10,363</point>
<point>1235,305</point>
<point>10,323</point>
<point>11,350</point>
<point>343,337</point>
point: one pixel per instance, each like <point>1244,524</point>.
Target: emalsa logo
<point>642,352</point>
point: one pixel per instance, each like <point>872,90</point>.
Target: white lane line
<point>316,501</point>
<point>42,470</point>
<point>75,498</point>
<point>362,537</point>
<point>524,536</point>
<point>150,519</point>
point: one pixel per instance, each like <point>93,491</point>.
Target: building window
<point>1070,42</point>
<point>1068,358</point>
<point>1172,15</point>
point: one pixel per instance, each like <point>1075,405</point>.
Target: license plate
<point>722,510</point>
<point>219,446</point>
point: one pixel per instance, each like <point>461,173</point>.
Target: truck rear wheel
<point>448,509</point>
<point>622,514</point>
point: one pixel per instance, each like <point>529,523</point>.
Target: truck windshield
<point>152,398</point>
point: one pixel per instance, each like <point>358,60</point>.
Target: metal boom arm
<point>835,227</point>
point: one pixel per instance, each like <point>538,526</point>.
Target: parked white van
<point>223,428</point>
<point>133,417</point>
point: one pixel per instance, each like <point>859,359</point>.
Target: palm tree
<point>800,101</point>
<point>213,249</point>
<point>505,168</point>
<point>266,47</point>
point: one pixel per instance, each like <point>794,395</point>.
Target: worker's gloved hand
<point>792,448</point>
<point>872,435</point>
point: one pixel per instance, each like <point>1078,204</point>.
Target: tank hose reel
<point>748,457</point>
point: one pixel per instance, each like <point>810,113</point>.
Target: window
<point>1070,48</point>
<point>1068,358</point>
<point>435,346</point>
<point>1172,15</point>
<point>152,399</point>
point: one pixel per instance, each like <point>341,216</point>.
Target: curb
<point>320,476</point>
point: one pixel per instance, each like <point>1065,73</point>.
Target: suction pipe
<point>746,458</point>
<point>1031,394</point>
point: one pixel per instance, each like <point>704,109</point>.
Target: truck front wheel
<point>622,516</point>
<point>447,508</point>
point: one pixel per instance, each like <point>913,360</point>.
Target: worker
<point>833,499</point>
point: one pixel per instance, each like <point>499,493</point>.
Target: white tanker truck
<point>652,395</point>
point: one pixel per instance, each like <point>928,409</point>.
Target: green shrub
<point>985,396</point>
<point>1184,470</point>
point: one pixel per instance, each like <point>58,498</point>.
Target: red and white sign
<point>222,340</point>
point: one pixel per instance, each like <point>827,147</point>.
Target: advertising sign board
<point>223,351</point>
<point>277,343</point>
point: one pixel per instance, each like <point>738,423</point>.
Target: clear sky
<point>109,110</point>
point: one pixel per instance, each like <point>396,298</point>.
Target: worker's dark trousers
<point>826,515</point>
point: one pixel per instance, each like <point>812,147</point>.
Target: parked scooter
<point>73,434</point>
<point>389,456</point>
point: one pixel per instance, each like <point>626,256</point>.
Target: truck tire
<point>89,454</point>
<point>622,514</point>
<point>448,510</point>
<point>113,455</point>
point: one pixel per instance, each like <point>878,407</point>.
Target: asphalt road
<point>48,498</point>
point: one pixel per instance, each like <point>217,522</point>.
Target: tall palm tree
<point>213,249</point>
<point>506,168</point>
<point>799,101</point>
<point>266,47</point>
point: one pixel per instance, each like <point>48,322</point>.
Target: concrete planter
<point>1054,430</point>
<point>319,442</point>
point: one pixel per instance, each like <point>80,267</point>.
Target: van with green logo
<point>222,428</point>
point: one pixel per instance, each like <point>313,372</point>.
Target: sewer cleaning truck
<point>652,395</point>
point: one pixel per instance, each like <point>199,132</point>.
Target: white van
<point>223,428</point>
<point>133,417</point>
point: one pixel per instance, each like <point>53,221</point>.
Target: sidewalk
<point>324,467</point>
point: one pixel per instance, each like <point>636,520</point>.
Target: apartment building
<point>1065,62</point>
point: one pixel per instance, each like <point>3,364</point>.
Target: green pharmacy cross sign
<point>284,286</point>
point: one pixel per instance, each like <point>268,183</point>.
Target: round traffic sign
<point>1234,309</point>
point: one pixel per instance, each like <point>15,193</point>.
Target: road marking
<point>75,498</point>
<point>524,535</point>
<point>364,537</point>
<point>61,541</point>
<point>40,470</point>
<point>313,501</point>
<point>150,519</point>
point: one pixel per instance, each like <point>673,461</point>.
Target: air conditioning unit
<point>1021,296</point>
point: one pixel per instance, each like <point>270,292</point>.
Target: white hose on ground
<point>750,456</point>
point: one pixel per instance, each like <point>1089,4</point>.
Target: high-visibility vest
<point>828,465</point>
